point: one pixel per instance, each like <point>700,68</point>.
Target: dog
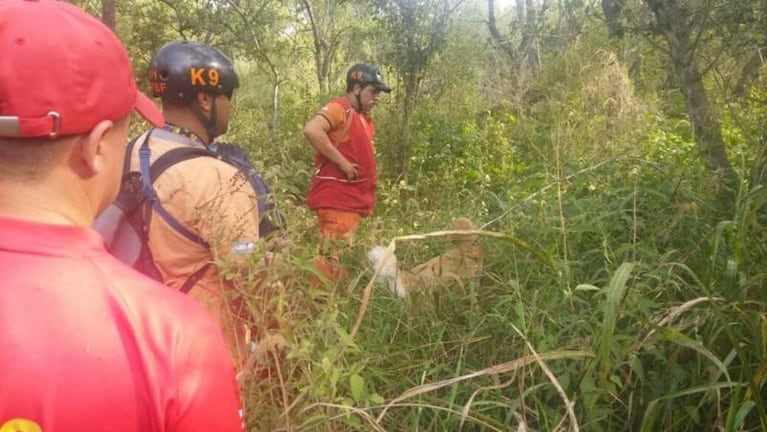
<point>462,262</point>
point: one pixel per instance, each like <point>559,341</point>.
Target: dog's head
<point>388,274</point>
<point>464,224</point>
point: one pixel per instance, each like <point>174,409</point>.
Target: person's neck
<point>186,121</point>
<point>352,98</point>
<point>45,203</point>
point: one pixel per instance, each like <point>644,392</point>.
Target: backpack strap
<point>265,205</point>
<point>181,154</point>
<point>129,154</point>
<point>269,218</point>
<point>191,281</point>
<point>150,173</point>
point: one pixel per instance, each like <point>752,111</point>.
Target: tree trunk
<point>109,13</point>
<point>751,69</point>
<point>612,10</point>
<point>274,117</point>
<point>258,51</point>
<point>675,28</point>
<point>529,48</point>
<point>323,52</point>
<point>496,35</point>
<point>411,83</point>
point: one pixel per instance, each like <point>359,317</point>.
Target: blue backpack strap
<point>174,156</point>
<point>256,182</point>
<point>150,173</point>
<point>270,219</point>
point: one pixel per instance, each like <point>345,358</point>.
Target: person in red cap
<point>343,187</point>
<point>86,343</point>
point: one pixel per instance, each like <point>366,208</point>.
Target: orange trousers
<point>335,226</point>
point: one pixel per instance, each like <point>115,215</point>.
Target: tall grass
<point>658,325</point>
<point>617,295</point>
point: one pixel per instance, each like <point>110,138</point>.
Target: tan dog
<point>463,262</point>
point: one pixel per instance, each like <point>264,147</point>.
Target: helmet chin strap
<point>358,96</point>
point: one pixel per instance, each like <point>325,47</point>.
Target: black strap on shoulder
<point>159,166</point>
<point>192,280</point>
<point>162,163</point>
<point>175,156</point>
<point>129,154</point>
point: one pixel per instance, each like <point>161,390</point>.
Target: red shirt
<point>88,344</point>
<point>329,187</point>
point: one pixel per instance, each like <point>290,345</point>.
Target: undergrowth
<point>617,293</point>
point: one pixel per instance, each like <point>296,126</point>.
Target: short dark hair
<point>29,159</point>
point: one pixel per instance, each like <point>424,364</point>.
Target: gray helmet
<point>364,74</point>
<point>179,70</point>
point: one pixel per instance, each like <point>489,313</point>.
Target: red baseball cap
<point>62,71</point>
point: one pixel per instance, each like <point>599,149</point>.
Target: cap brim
<point>383,87</point>
<point>147,108</point>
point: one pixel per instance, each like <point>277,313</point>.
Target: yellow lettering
<point>196,76</point>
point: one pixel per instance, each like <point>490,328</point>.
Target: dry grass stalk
<point>568,403</point>
<point>374,424</point>
<point>467,407</point>
<point>493,370</point>
<point>674,313</point>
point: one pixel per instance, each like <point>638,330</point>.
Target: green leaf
<point>376,398</point>
<point>615,291</point>
<point>743,411</point>
<point>357,386</point>
<point>675,336</point>
<point>650,416</point>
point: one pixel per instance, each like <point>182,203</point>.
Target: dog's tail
<point>388,274</point>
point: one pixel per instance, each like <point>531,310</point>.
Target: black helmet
<point>364,74</point>
<point>179,70</point>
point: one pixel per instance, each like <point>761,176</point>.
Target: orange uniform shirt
<point>214,200</point>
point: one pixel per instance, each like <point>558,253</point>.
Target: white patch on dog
<point>388,275</point>
<point>458,264</point>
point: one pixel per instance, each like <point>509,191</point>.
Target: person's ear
<point>204,101</point>
<point>92,148</point>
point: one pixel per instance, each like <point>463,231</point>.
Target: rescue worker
<point>86,343</point>
<point>343,188</point>
<point>213,209</point>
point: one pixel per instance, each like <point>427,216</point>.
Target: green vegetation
<point>624,290</point>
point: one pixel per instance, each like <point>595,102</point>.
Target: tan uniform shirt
<point>214,200</point>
